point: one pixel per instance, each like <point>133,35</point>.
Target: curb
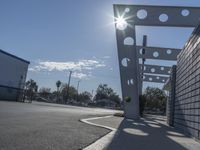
<point>104,141</point>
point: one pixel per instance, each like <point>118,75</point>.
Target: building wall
<point>7,93</point>
<point>12,76</point>
<point>187,100</point>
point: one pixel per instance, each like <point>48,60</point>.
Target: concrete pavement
<point>150,133</point>
<point>43,126</point>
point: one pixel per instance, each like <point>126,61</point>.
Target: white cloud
<point>62,66</point>
<point>106,57</point>
<point>80,75</point>
<point>31,69</point>
<point>79,68</point>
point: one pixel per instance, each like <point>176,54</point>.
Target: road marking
<point>103,142</point>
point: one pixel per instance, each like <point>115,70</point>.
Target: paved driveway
<point>43,126</point>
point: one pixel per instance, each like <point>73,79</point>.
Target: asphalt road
<point>43,126</point>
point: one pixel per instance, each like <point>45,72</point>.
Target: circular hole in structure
<point>150,79</point>
<point>130,82</point>
<point>129,41</point>
<point>141,51</point>
<point>163,80</point>
<point>145,68</point>
<point>155,54</point>
<point>169,72</point>
<point>142,67</point>
<point>185,12</point>
<point>163,18</point>
<point>169,51</point>
<point>142,14</point>
<point>157,78</point>
<point>162,68</point>
<point>127,10</point>
<point>153,69</point>
<point>125,62</point>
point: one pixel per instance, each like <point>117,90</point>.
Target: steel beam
<point>158,53</point>
<point>147,15</point>
<point>155,69</point>
<point>153,78</point>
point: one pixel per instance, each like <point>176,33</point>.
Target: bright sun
<point>121,23</point>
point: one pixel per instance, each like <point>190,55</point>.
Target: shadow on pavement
<point>145,134</point>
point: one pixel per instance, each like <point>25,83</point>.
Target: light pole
<point>92,94</point>
<point>70,73</point>
<point>77,89</point>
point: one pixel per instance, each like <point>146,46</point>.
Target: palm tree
<point>58,84</point>
<point>31,88</point>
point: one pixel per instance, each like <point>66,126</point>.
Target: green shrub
<point>128,99</point>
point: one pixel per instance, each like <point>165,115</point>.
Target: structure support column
<point>142,67</point>
<point>128,65</point>
<point>172,96</point>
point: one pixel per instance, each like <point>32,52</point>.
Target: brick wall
<point>187,99</point>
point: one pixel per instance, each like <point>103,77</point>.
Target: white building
<point>12,76</point>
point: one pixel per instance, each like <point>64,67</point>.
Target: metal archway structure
<point>131,72</point>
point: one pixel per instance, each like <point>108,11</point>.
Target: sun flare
<point>121,23</point>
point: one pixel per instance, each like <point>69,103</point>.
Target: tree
<point>45,92</point>
<point>85,97</point>
<point>72,92</point>
<point>155,98</point>
<point>115,98</point>
<point>105,92</point>
<point>31,89</point>
<point>142,103</point>
<point>58,84</point>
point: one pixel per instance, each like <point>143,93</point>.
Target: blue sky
<point>61,35</point>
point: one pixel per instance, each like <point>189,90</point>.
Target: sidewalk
<point>150,133</point>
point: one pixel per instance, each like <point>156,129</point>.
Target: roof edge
<point>11,55</point>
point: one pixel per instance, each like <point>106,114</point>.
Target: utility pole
<point>92,94</point>
<point>70,73</point>
<point>77,89</point>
